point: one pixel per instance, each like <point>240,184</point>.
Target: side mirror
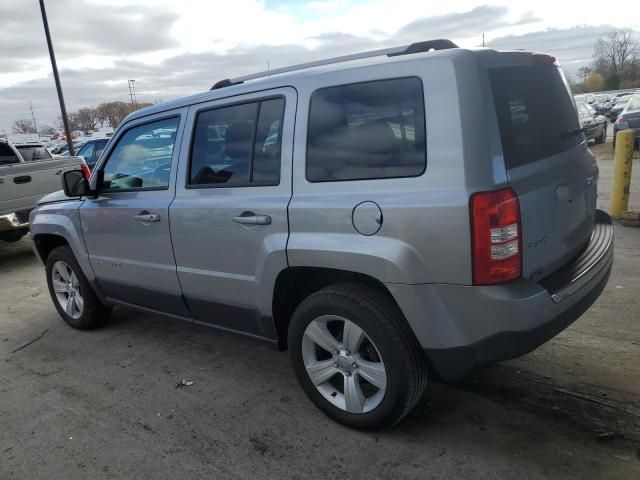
<point>75,184</point>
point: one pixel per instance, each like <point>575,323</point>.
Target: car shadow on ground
<point>12,254</point>
<point>592,412</point>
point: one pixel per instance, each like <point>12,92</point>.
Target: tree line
<point>616,64</point>
<point>108,114</point>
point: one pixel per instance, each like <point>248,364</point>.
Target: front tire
<point>356,357</point>
<point>603,136</point>
<point>72,295</point>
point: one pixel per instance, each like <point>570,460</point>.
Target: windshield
<point>34,153</point>
<point>535,112</point>
<point>634,104</point>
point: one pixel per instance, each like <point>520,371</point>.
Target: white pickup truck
<point>27,173</point>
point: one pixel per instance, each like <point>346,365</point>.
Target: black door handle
<point>22,179</point>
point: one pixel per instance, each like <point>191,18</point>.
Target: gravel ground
<point>103,404</point>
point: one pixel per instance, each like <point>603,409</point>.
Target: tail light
<point>622,123</point>
<point>496,236</point>
<point>86,170</point>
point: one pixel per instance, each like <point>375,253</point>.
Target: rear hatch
<point>548,163</point>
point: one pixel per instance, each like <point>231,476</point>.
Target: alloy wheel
<point>344,364</point>
<point>67,289</point>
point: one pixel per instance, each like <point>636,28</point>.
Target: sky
<point>174,48</point>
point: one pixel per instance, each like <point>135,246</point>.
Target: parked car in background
<point>62,148</point>
<point>618,106</point>
<point>92,150</point>
<point>77,145</point>
<point>594,126</point>
<point>629,118</point>
<point>27,172</point>
<point>423,208</point>
<point>601,105</point>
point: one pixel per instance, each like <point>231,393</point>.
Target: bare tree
<point>113,113</point>
<point>23,126</point>
<point>583,73</point>
<point>87,119</point>
<point>74,124</point>
<point>46,130</point>
<point>615,54</point>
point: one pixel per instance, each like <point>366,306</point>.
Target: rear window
<point>34,153</point>
<point>367,130</point>
<point>536,113</point>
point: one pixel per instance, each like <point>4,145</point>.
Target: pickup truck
<point>27,173</point>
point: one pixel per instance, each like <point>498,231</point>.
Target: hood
<point>58,196</point>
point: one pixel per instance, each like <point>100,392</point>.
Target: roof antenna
<point>268,69</point>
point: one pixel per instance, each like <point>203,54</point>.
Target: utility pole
<point>132,92</point>
<point>54,66</point>
<point>135,97</point>
<point>33,117</point>
<point>483,44</point>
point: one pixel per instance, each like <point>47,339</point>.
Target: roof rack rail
<point>438,44</point>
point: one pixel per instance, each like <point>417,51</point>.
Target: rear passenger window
<point>238,145</point>
<point>367,130</point>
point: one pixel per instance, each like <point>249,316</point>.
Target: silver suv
<point>381,215</point>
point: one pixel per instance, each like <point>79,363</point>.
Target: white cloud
<point>178,47</point>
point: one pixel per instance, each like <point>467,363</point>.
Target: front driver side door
<point>126,228</point>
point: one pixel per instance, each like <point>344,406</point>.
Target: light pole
<point>54,66</point>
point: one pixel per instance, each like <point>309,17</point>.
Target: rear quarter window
<point>536,114</point>
<point>367,130</point>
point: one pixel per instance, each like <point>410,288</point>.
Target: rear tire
<point>72,295</point>
<point>370,370</point>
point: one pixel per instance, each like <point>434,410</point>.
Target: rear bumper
<point>464,328</point>
<point>14,222</point>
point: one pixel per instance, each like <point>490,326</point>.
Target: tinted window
<point>142,157</point>
<point>87,151</point>
<point>367,130</point>
<point>7,155</point>
<point>266,164</point>
<point>98,149</point>
<point>238,145</point>
<point>34,153</point>
<point>536,114</point>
